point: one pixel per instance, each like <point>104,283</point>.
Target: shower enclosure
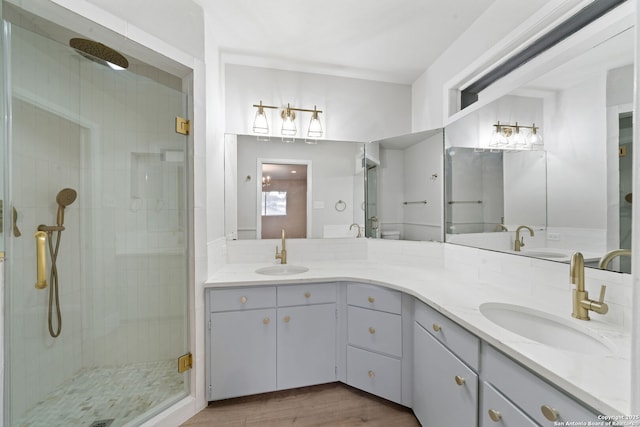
<point>121,265</point>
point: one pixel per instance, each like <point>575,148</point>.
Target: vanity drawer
<point>374,297</point>
<point>458,340</point>
<point>318,293</point>
<point>504,413</point>
<point>374,373</point>
<point>375,330</point>
<point>529,392</point>
<point>241,298</point>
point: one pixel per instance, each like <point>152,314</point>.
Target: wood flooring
<point>334,404</point>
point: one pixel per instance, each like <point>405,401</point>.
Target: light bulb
<point>315,127</point>
<point>260,124</point>
<point>288,124</point>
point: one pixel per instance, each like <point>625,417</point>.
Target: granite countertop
<point>603,382</point>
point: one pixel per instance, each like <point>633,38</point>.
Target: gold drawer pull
<point>436,327</point>
<point>459,380</point>
<point>371,300</point>
<point>266,320</point>
<point>307,294</point>
<point>287,319</point>
<point>495,416</point>
<point>372,330</point>
<point>371,374</point>
<point>550,413</point>
<point>243,300</point>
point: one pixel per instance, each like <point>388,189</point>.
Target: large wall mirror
<point>404,187</point>
<point>310,190</point>
<point>572,191</point>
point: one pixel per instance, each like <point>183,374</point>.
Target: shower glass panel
<point>121,264</point>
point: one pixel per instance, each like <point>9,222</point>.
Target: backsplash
<point>543,281</point>
<point>298,250</point>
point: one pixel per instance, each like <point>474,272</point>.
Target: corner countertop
<point>602,382</point>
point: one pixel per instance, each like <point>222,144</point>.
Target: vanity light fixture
<point>288,114</point>
<point>515,136</point>
<point>266,181</point>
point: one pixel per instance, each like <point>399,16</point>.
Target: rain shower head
<point>65,197</point>
<point>97,52</point>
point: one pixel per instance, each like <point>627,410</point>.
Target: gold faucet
<point>581,302</point>
<point>609,256</point>
<point>282,255</point>
<point>500,227</point>
<point>519,243</point>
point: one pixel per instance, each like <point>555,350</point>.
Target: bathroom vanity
<point>412,335</point>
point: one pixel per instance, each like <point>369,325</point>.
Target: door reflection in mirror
<point>283,200</point>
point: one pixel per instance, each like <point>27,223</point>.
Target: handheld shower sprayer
<point>65,197</point>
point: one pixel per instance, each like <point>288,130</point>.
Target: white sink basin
<point>547,329</point>
<point>544,253</point>
<point>282,270</point>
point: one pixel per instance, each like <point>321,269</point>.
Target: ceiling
<point>385,40</point>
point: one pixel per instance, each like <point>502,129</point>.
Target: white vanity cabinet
<point>445,364</point>
<point>263,339</point>
<point>306,335</point>
<point>540,401</point>
<point>374,335</point>
<point>242,342</point>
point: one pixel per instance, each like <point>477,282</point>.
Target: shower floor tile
<point>121,393</point>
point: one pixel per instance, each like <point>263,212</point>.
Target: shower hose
<point>53,284</point>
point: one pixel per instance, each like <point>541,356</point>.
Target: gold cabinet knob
<point>436,327</point>
<point>372,330</point>
<point>287,319</point>
<point>550,413</point>
<point>243,300</point>
<point>495,416</point>
<point>307,294</point>
<point>371,374</point>
<point>266,320</point>
<point>371,300</point>
<point>459,380</point>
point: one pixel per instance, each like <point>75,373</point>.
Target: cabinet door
<point>438,399</point>
<point>243,353</point>
<point>306,345</point>
<point>497,411</point>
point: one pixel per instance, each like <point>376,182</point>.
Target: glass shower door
<point>94,164</point>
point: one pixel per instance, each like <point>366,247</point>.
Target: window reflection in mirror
<point>283,200</point>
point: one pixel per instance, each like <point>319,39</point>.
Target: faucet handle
<point>603,289</point>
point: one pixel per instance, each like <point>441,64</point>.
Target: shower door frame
<point>193,86</point>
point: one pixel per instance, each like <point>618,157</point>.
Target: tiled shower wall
<point>122,261</point>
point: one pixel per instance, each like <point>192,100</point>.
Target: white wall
<point>575,136</point>
<point>353,109</point>
<point>490,29</point>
